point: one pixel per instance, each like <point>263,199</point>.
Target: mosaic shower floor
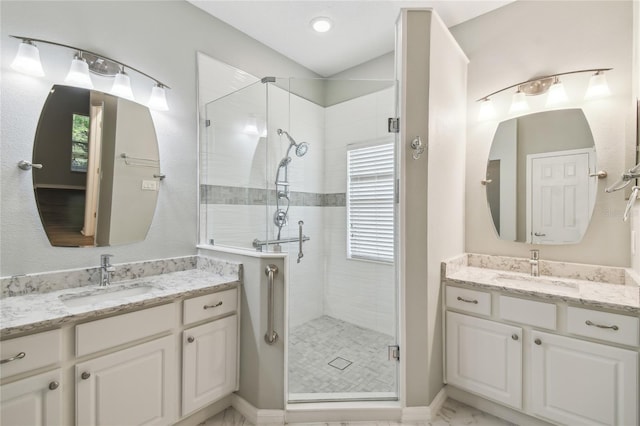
<point>327,355</point>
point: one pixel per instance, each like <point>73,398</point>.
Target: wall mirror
<point>99,181</point>
<point>540,181</point>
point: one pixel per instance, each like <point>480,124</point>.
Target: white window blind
<point>370,202</point>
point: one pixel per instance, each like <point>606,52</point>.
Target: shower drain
<point>340,363</point>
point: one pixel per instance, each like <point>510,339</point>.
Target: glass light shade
<point>122,86</point>
<point>487,111</point>
<point>251,128</point>
<point>158,99</point>
<point>321,24</point>
<point>557,95</point>
<point>598,86</point>
<point>79,74</point>
<point>518,103</point>
<point>27,60</point>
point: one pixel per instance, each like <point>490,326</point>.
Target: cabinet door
<point>135,386</point>
<point>578,382</point>
<point>34,401</point>
<point>485,357</point>
<point>209,358</point>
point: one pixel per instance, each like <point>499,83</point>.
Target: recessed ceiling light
<point>321,24</point>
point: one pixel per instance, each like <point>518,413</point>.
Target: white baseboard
<point>424,414</point>
<point>255,415</point>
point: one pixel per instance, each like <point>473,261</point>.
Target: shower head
<point>302,149</point>
<point>284,162</point>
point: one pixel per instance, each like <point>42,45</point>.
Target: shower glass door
<point>341,287</point>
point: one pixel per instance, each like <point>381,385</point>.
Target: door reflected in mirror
<point>538,183</point>
<point>100,177</point>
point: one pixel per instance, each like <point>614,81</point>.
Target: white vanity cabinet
<point>485,357</point>
<point>578,382</point>
<point>132,386</point>
<point>135,386</point>
<point>210,350</point>
<point>36,399</point>
<point>564,364</point>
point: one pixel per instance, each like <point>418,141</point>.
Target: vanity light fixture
<point>598,86</point>
<point>28,61</point>
<point>557,95</point>
<point>487,110</point>
<point>550,84</point>
<point>79,73</point>
<point>122,85</point>
<point>251,128</point>
<point>321,24</point>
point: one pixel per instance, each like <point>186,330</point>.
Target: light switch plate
<point>149,185</point>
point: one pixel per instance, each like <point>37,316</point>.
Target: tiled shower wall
<point>239,210</point>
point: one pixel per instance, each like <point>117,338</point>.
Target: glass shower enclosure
<point>307,167</point>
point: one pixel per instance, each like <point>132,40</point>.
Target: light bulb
<point>518,103</point>
<point>487,111</point>
<point>79,73</point>
<point>321,24</point>
<point>27,59</point>
<point>598,86</point>
<point>557,95</point>
<point>122,86</point>
<point>158,99</point>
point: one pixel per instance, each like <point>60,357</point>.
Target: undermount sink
<point>523,280</point>
<point>101,294</point>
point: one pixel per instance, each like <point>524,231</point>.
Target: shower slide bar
<point>258,244</point>
<point>271,336</point>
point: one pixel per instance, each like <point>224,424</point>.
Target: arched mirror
<point>99,181</point>
<point>540,182</point>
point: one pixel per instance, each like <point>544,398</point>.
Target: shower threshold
<point>297,398</point>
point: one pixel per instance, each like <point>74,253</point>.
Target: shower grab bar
<point>259,243</point>
<point>300,240</point>
<point>271,336</point>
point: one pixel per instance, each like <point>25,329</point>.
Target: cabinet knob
<point>191,339</point>
<point>54,385</point>
<point>537,342</point>
<point>514,336</point>
<point>85,375</point>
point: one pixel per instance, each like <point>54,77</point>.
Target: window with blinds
<point>370,202</point>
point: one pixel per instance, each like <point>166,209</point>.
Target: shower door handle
<point>300,240</point>
<point>271,336</point>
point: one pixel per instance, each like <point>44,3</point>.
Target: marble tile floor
<point>327,355</point>
<point>453,413</point>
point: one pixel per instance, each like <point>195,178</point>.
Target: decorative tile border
<point>234,195</point>
<point>45,282</point>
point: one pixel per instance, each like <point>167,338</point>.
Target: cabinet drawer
<point>615,328</point>
<point>110,332</point>
<point>40,350</point>
<point>210,305</point>
<point>529,312</point>
<point>467,300</point>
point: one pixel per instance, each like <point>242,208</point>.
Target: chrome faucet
<point>535,257</point>
<point>106,268</point>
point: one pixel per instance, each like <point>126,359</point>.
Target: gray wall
<point>158,37</point>
<point>526,39</point>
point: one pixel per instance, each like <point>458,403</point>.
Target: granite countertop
<point>587,285</point>
<point>39,311</point>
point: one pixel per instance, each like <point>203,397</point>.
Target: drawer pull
<point>475,302</point>
<point>54,385</point>
<point>593,324</point>
<point>13,358</point>
<point>514,336</point>
<point>85,375</point>
<point>537,342</point>
<point>212,306</point>
<point>191,339</point>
